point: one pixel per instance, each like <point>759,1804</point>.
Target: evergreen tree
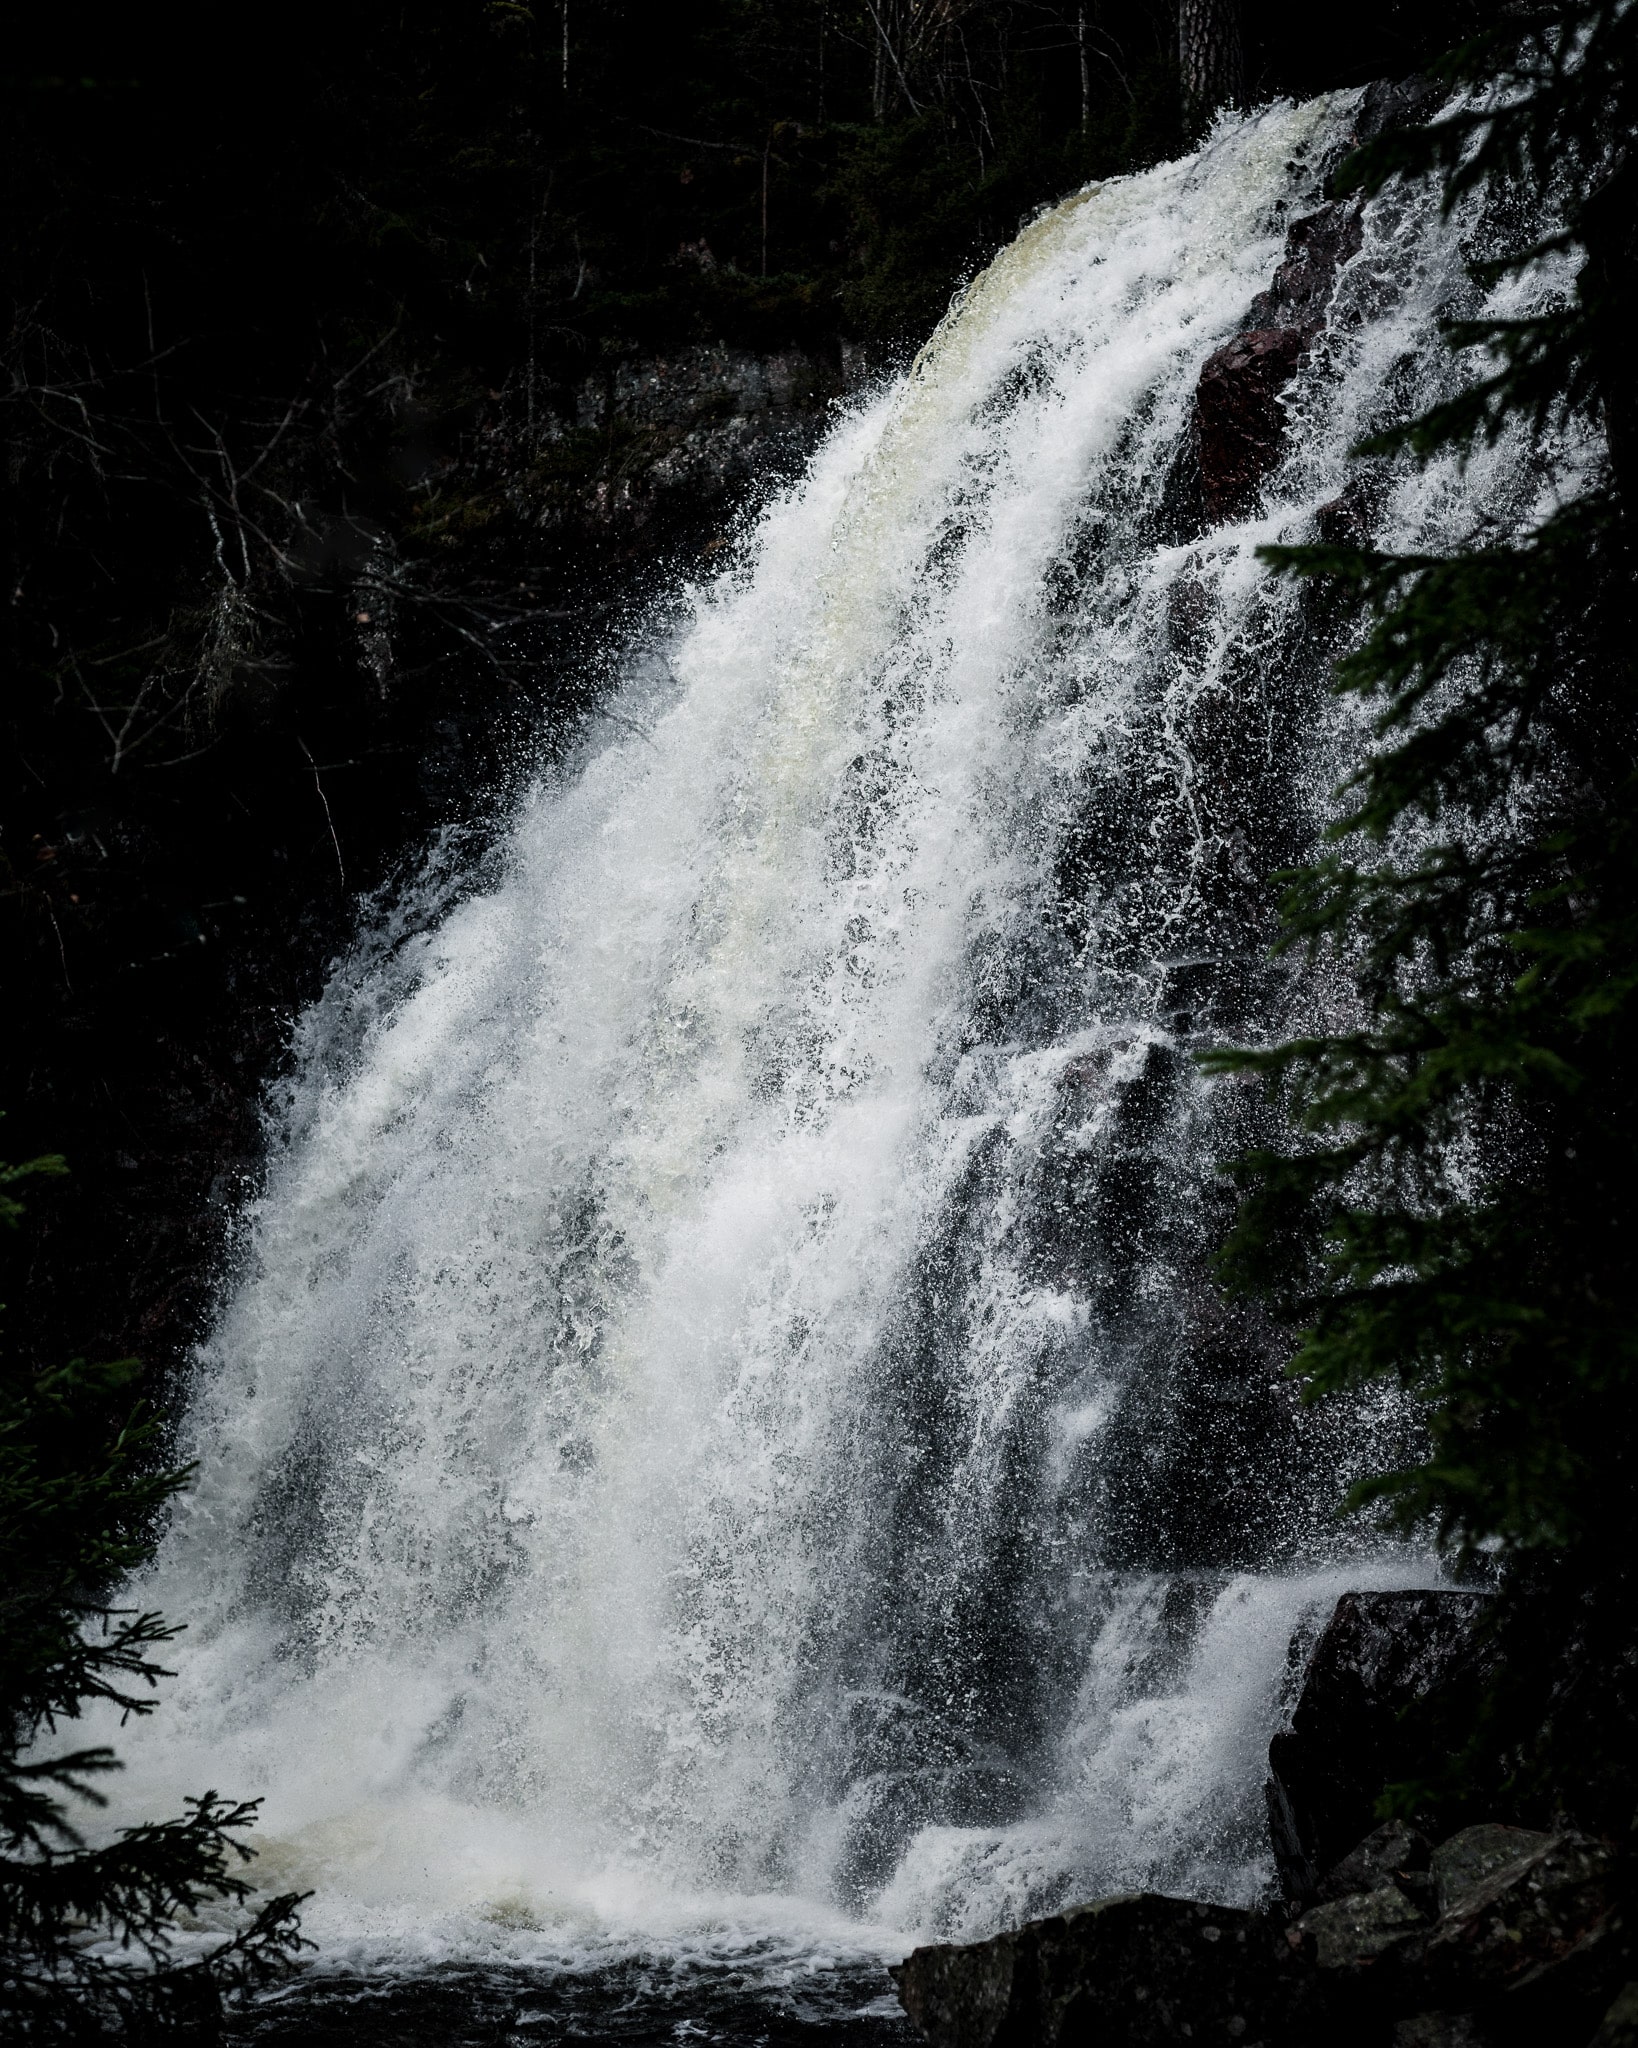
<point>1454,1206</point>
<point>88,1934</point>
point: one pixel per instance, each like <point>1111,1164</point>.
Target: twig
<point>323,799</point>
<point>62,953</point>
<point>894,55</point>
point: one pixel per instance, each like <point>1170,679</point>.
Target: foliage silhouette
<point>1453,1206</point>
<point>89,1936</point>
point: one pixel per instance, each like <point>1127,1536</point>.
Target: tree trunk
<point>1609,290</point>
<point>1210,57</point>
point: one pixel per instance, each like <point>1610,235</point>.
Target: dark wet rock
<point>1135,1970</point>
<point>1239,420</point>
<point>1496,1937</point>
<point>1360,1926</point>
<point>1531,1953</point>
<point>1378,1654</point>
<point>1349,519</point>
<point>1530,1945</point>
<point>1471,1858</point>
<point>1565,1999</point>
<point>1190,615</point>
<point>680,436</point>
<point>1239,416</point>
<point>1390,103</point>
<point>1396,1854</point>
<point>1519,1925</point>
<point>1316,247</point>
<point>971,1994</point>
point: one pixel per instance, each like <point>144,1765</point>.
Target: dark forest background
<point>312,543</point>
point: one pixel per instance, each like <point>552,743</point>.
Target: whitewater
<point>718,1439</point>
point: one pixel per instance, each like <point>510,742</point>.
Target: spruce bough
<point>1454,1201</point>
<point>88,1934</point>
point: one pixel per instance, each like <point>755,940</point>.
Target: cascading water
<point>720,1437</point>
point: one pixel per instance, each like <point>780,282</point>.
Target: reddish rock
<point>1239,418</point>
<point>1316,247</point>
<point>1240,422</point>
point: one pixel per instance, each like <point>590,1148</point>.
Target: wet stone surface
<point>1353,1929</point>
<point>1379,1654</point>
<point>1394,1854</point>
<point>1471,1858</point>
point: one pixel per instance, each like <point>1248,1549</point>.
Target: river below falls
<point>640,2004</point>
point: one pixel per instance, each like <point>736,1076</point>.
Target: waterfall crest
<point>720,1422</point>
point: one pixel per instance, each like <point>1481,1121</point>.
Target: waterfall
<point>719,1431</point>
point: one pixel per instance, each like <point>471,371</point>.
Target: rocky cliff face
<point>676,440</point>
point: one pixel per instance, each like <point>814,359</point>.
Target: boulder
<point>1528,1946</point>
<point>1520,1925</point>
<point>1378,1654</point>
<point>1316,247</point>
<point>970,1994</point>
<point>1349,519</point>
<point>1389,103</point>
<point>1396,1854</point>
<point>1239,420</point>
<point>1471,1858</point>
<point>1133,1971</point>
<point>1359,1927</point>
<point>1239,416</point>
<point>1530,1951</point>
<point>1496,1937</point>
